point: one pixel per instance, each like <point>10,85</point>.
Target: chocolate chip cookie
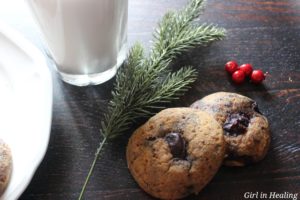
<point>246,129</point>
<point>176,153</point>
<point>5,166</point>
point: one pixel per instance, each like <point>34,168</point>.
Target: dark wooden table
<point>264,33</point>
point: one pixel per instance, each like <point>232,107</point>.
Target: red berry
<point>247,68</point>
<point>231,66</point>
<point>238,76</point>
<point>257,76</point>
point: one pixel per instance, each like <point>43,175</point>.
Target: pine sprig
<point>177,34</point>
<point>145,82</point>
<point>142,91</point>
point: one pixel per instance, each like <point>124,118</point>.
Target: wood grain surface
<point>264,33</point>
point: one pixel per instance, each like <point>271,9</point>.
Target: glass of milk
<point>86,38</point>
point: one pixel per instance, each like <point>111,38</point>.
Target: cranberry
<point>257,76</point>
<point>231,66</point>
<point>238,76</point>
<point>247,68</point>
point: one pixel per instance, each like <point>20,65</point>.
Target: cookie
<point>176,152</point>
<point>5,166</point>
<point>246,129</point>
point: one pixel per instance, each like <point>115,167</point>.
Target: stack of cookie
<point>179,150</point>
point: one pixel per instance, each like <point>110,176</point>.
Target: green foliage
<point>139,88</point>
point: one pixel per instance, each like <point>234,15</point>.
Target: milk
<point>85,38</point>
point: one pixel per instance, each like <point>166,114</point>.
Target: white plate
<point>25,107</point>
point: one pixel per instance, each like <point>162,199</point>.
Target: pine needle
<point>145,82</point>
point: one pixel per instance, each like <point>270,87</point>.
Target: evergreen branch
<point>103,142</point>
<point>176,33</point>
<point>143,83</point>
<point>173,86</point>
<point>143,91</point>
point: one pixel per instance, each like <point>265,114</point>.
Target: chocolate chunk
<point>176,144</point>
<point>236,124</point>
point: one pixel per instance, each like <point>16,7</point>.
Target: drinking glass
<point>86,39</point>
